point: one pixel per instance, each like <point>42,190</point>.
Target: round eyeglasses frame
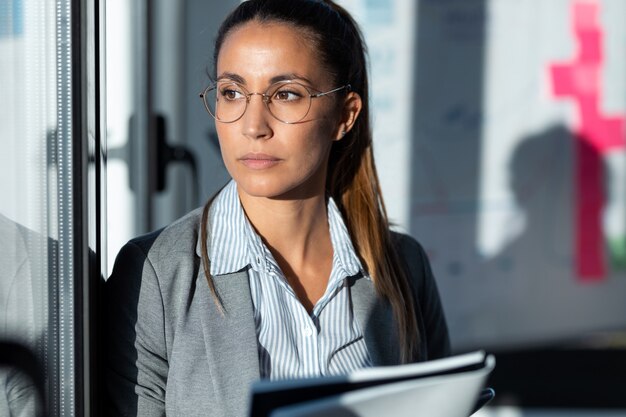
<point>267,99</point>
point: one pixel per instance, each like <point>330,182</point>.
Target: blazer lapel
<point>375,317</point>
<point>230,339</point>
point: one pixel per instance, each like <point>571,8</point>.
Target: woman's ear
<point>350,111</point>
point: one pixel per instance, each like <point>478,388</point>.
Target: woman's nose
<point>256,118</point>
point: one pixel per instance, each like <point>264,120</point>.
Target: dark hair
<point>324,24</point>
<point>352,180</point>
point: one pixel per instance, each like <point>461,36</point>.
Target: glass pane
<point>36,188</point>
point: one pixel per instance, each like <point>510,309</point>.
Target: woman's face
<point>266,157</point>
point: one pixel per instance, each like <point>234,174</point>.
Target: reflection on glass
<point>21,381</point>
<point>20,394</point>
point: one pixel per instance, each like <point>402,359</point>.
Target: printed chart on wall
<point>518,184</point>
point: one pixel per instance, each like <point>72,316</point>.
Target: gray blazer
<point>170,351</point>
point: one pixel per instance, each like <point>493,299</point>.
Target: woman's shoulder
<point>169,249</point>
<point>181,235</point>
<point>434,330</point>
<point>407,245</point>
<point>413,257</point>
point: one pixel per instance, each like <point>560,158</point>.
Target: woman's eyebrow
<point>289,77</point>
<point>231,76</point>
<point>277,78</point>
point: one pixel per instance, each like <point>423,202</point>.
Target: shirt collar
<point>227,230</point>
<point>344,253</point>
<point>234,245</point>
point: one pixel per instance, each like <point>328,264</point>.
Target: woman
<point>290,270</point>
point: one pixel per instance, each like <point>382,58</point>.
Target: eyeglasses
<point>288,101</point>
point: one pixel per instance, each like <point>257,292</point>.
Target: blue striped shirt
<point>292,343</point>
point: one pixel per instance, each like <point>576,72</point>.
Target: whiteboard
<point>499,138</point>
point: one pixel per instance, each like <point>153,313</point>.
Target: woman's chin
<point>261,188</point>
<point>277,189</point>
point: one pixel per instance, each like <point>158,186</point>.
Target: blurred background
<point>499,138</point>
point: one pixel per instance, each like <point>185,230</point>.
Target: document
<point>448,387</point>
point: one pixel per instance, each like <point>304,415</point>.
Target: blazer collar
<point>230,339</point>
<point>375,317</point>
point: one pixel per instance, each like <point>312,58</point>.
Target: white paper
<point>451,395</point>
<point>427,393</point>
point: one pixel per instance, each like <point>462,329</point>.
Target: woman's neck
<point>289,226</point>
<point>298,235</point>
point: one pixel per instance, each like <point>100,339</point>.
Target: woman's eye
<point>287,95</point>
<point>231,94</point>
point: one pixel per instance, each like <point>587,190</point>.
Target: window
<point>50,190</point>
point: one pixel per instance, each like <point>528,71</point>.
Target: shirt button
<point>307,331</point>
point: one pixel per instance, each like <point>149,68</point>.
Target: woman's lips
<point>259,160</point>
